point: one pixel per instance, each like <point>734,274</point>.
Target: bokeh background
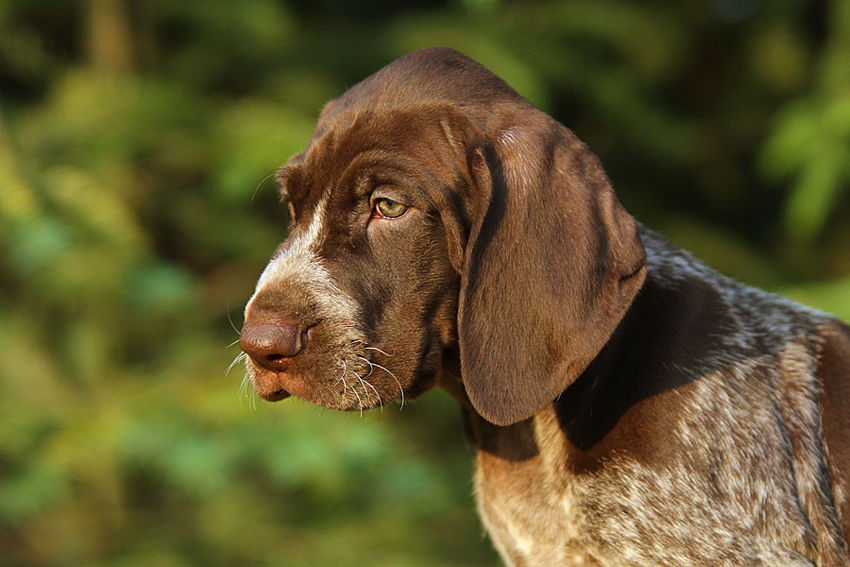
<point>136,212</point>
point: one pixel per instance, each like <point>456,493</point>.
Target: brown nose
<point>272,345</point>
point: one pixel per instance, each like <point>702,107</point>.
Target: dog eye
<point>389,208</point>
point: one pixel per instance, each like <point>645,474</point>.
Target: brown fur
<point>627,405</point>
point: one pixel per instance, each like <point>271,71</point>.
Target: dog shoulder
<point>710,392</point>
<point>834,380</point>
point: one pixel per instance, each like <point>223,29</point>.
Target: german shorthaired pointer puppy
<point>627,405</point>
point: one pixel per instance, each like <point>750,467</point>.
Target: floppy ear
<point>552,264</point>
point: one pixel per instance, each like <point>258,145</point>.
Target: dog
<point>626,404</point>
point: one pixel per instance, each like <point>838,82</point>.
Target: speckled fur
<point>627,405</point>
<point>727,467</point>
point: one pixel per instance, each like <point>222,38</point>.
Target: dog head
<point>435,210</point>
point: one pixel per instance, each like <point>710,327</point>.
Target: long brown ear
<point>552,264</point>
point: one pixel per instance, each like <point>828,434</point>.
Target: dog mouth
<point>350,388</point>
<point>269,385</point>
<point>275,396</point>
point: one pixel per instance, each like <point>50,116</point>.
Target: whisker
<point>230,320</point>
<point>353,390</point>
<point>376,349</point>
<point>263,180</point>
<point>365,383</point>
<point>342,379</point>
<point>241,358</point>
<point>367,361</point>
<point>246,390</point>
<point>400,389</point>
<point>359,400</point>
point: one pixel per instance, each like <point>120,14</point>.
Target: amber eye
<point>389,208</point>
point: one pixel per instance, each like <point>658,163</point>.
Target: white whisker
<point>400,389</point>
<point>366,360</point>
<point>342,379</point>
<point>376,349</point>
<point>365,391</point>
<point>354,390</point>
<point>246,390</point>
<point>263,180</point>
<point>241,358</point>
<point>230,320</point>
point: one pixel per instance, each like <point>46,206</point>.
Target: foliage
<point>136,139</point>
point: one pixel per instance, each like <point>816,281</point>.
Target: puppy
<point>627,405</point>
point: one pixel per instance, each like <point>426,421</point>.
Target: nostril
<point>277,362</point>
<point>272,345</point>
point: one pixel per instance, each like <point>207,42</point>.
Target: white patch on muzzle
<point>299,265</point>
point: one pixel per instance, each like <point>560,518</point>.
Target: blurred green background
<point>136,141</point>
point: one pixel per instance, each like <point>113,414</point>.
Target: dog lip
<point>276,396</point>
<point>269,385</point>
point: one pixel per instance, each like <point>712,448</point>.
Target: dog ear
<point>552,263</point>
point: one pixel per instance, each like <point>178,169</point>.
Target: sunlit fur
<point>626,405</point>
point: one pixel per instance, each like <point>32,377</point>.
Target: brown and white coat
<point>627,405</point>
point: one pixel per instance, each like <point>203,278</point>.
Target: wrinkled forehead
<point>373,143</point>
<point>425,107</point>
